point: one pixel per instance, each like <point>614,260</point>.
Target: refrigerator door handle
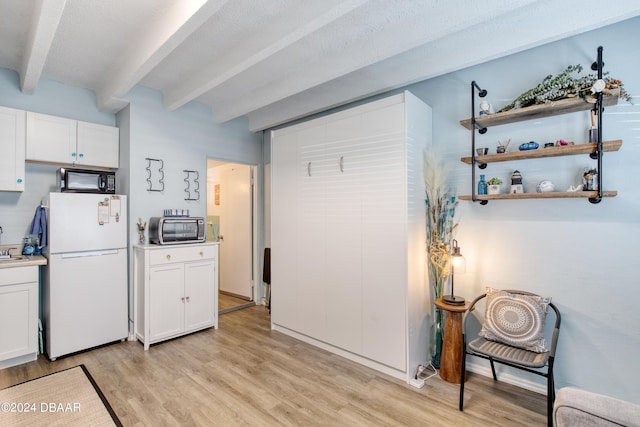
<point>89,253</point>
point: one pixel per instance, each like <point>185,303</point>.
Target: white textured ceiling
<point>274,60</point>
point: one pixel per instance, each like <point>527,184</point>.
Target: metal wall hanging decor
<point>155,174</point>
<point>192,185</point>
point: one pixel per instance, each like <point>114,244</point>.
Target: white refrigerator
<point>85,283</point>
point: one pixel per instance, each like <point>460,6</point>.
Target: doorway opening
<point>231,220</point>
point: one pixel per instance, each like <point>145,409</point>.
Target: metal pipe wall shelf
<point>566,150</point>
<point>562,106</point>
<point>549,195</point>
<point>554,108</point>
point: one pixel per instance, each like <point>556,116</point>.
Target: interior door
<point>236,231</point>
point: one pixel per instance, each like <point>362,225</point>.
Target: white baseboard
<point>401,375</point>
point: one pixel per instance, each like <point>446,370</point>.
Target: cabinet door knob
<point>188,299</point>
<point>73,154</point>
<point>201,253</point>
<point>168,256</point>
<point>309,168</point>
<point>81,155</point>
<point>342,164</point>
<point>182,299</point>
<point>19,180</point>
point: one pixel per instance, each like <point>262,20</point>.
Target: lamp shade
<point>458,262</point>
<point>458,265</point>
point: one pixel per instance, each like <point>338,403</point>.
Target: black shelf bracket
<point>482,130</point>
<point>598,109</point>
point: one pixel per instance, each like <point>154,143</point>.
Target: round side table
<point>451,359</point>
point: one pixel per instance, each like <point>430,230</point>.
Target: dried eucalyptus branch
<point>564,85</point>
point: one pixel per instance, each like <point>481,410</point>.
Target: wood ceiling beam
<point>180,94</point>
<point>407,26</point>
<point>454,52</point>
<point>178,23</point>
<point>44,23</point>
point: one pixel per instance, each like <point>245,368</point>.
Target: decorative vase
<point>141,237</point>
<point>482,186</point>
<point>436,337</point>
<point>493,189</point>
<point>439,257</point>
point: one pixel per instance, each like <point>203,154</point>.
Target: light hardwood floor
<point>227,303</point>
<point>245,374</point>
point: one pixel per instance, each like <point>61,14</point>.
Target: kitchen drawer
<point>16,275</point>
<point>181,254</point>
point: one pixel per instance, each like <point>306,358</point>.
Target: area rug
<point>65,398</point>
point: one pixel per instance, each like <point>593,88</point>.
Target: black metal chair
<point>515,357</point>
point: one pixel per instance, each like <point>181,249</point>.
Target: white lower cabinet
<point>176,290</point>
<point>348,233</point>
<point>18,315</point>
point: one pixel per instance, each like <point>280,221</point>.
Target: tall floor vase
<point>438,282</point>
<point>437,329</point>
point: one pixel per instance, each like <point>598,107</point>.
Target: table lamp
<point>458,264</point>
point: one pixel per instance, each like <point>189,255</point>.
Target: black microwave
<point>175,230</point>
<point>86,181</point>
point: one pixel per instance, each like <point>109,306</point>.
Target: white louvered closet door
<point>384,250</point>
<point>348,233</point>
<point>313,169</point>
<point>284,236</point>
<point>344,233</point>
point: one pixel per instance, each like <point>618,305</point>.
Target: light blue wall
<point>582,255</point>
<point>183,139</point>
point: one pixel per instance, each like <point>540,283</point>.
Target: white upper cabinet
<point>65,141</point>
<point>98,145</point>
<point>51,139</point>
<point>12,140</point>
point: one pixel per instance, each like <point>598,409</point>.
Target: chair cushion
<point>508,353</point>
<point>515,319</point>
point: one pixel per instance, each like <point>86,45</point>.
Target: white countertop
<point>24,261</point>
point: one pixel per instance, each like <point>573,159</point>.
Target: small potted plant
<point>493,185</point>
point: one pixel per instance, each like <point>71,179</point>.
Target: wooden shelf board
<point>554,108</point>
<point>550,195</point>
<point>567,150</point>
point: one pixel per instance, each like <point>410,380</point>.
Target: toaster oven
<point>173,231</point>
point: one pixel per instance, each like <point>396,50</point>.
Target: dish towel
<point>39,226</point>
